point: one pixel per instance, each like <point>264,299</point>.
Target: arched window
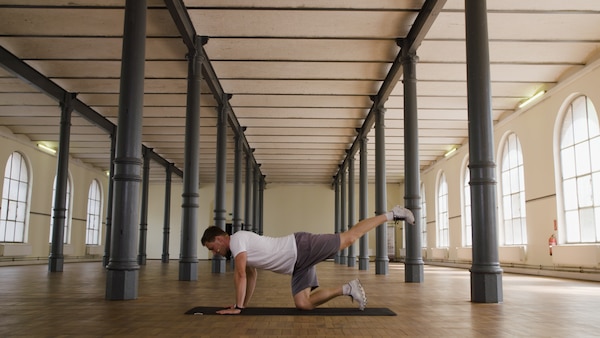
<point>580,167</point>
<point>423,217</point>
<point>513,192</point>
<point>467,224</point>
<point>14,199</point>
<point>93,214</point>
<point>443,220</point>
<point>67,225</point>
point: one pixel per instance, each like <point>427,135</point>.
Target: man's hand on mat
<point>232,310</point>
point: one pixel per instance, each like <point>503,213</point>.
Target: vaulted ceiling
<point>301,74</point>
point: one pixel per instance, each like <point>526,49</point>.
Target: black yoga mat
<point>290,311</point>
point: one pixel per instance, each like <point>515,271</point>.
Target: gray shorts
<point>312,249</point>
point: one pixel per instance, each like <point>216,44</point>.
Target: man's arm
<point>240,282</point>
<point>250,284</point>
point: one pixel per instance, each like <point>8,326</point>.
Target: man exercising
<point>296,255</point>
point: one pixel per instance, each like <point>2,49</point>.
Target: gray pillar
<point>261,203</point>
<point>363,208</point>
<point>255,201</point>
<point>486,274</point>
<point>144,209</point>
<point>343,213</point>
<point>56,258</point>
<point>188,258</point>
<point>413,263</point>
<point>337,226</point>
<point>351,212</point>
<point>167,215</point>
<point>249,194</point>
<point>218,261</point>
<point>109,202</point>
<point>237,185</point>
<point>122,273</point>
<point>381,257</point>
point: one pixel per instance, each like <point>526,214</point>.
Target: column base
<point>55,264</point>
<point>188,271</point>
<point>363,263</point>
<point>413,273</point>
<point>164,258</point>
<point>382,265</point>
<point>121,284</point>
<point>219,264</point>
<point>486,286</point>
<point>351,262</point>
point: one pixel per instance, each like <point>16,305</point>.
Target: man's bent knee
<point>302,300</point>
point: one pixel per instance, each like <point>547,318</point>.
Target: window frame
<point>25,201</point>
<point>467,222</point>
<point>511,218</point>
<point>442,219</point>
<point>93,231</point>
<point>566,228</point>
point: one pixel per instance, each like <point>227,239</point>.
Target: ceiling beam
<point>188,33</point>
<point>28,74</point>
<point>425,19</point>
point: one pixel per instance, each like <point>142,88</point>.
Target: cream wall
<point>42,170</point>
<point>537,129</point>
<point>288,208</point>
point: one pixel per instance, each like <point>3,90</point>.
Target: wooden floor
<point>36,303</point>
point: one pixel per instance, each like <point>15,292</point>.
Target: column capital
<point>408,57</point>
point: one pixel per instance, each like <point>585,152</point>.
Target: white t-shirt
<point>277,254</point>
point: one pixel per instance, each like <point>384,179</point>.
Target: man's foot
<point>358,294</point>
<point>404,214</point>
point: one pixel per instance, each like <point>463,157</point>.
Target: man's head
<point>216,240</point>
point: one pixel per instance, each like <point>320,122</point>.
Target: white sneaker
<point>401,213</point>
<point>358,293</point>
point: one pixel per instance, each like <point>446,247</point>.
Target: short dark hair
<point>211,233</point>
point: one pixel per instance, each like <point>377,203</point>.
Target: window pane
<point>514,180</point>
<point>567,159</point>
<point>11,211</point>
<point>597,216</point>
<point>584,191</point>
<point>570,194</point>
<point>580,122</point>
<point>19,231</point>
<point>582,158</point>
<point>592,119</point>
<point>566,135</point>
<point>594,150</point>
<point>588,228</point>
<point>505,182</point>
<point>508,232</point>
<point>20,212</point>
<point>572,222</point>
<point>15,166</point>
<point>518,239</point>
<point>596,188</point>
<point>507,207</point>
<point>10,231</point>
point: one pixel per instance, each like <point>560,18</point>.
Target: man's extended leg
<point>367,224</point>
